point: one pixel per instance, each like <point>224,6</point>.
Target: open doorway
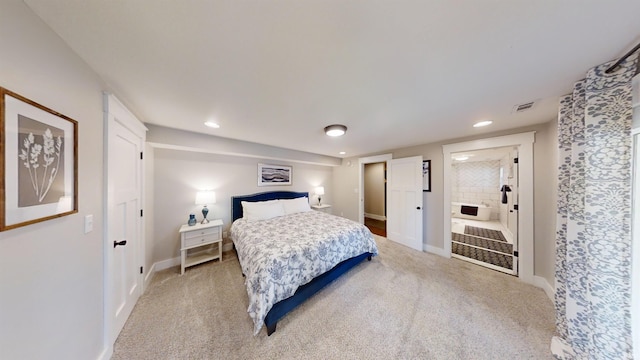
<point>375,194</point>
<point>524,143</point>
<point>484,208</point>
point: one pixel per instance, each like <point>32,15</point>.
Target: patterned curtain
<point>593,239</point>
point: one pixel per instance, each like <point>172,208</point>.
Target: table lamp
<point>204,198</point>
<point>319,191</point>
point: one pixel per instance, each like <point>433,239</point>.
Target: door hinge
<point>515,253</point>
<point>515,160</point>
<point>141,155</point>
<point>141,270</point>
<point>515,206</point>
<point>140,212</point>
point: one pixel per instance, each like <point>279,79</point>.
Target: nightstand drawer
<point>213,231</point>
<point>200,240</point>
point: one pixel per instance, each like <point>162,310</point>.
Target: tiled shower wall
<point>477,183</point>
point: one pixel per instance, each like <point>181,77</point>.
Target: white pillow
<point>262,210</point>
<point>292,206</point>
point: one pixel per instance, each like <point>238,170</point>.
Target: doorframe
<point>524,142</point>
<point>113,107</point>
<point>361,162</point>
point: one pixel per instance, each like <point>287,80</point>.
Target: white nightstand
<point>324,208</point>
<point>204,242</point>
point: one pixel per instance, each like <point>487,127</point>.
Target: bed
<point>289,257</point>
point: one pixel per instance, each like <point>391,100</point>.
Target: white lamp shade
<point>320,190</point>
<point>205,197</point>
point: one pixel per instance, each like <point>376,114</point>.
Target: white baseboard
<point>436,250</point>
<point>165,264</point>
<point>168,263</point>
<point>542,283</point>
<point>106,353</point>
<point>375,217</point>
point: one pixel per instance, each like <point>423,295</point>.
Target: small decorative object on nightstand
<point>324,208</point>
<point>192,220</point>
<point>200,243</point>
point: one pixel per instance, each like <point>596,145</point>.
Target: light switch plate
<point>88,223</point>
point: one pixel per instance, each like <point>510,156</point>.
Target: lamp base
<point>205,211</point>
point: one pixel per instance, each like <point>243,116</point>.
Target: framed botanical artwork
<point>274,175</point>
<point>426,175</point>
<point>39,162</point>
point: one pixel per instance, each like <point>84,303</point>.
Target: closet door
<point>124,250</point>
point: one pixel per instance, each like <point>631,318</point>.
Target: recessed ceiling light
<point>335,130</point>
<point>342,152</point>
<point>211,124</point>
<point>483,123</point>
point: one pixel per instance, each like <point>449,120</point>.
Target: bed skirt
<point>305,291</point>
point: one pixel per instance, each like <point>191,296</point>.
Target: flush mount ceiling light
<point>211,124</point>
<point>335,130</point>
<point>483,123</point>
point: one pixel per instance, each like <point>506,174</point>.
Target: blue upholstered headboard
<point>236,205</point>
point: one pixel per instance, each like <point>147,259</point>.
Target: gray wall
<point>51,273</point>
<point>149,211</point>
<point>180,174</point>
<point>545,175</point>
<point>345,178</point>
<point>545,199</point>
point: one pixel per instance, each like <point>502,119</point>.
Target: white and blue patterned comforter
<point>280,254</point>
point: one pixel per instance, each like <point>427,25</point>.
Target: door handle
<point>418,208</point>
<point>122,243</point>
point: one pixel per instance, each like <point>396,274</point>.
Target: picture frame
<point>39,162</point>
<point>269,175</point>
<point>426,175</point>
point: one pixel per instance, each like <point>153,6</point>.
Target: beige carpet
<point>402,305</point>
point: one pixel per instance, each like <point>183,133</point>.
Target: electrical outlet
<point>225,234</point>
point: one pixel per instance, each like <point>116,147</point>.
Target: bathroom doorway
<point>484,197</point>
<point>524,220</point>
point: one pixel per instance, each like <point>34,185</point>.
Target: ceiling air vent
<point>523,107</point>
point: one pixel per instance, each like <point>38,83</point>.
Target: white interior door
<point>124,238</point>
<point>404,201</point>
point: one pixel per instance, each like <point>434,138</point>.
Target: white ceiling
<point>397,73</point>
